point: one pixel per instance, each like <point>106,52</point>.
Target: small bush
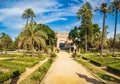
<point>53,55</point>
<point>82,51</point>
<point>73,55</point>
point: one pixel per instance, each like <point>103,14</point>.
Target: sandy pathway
<point>30,70</point>
<point>67,71</point>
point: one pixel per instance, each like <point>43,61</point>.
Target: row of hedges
<point>109,79</point>
<point>37,76</point>
<point>112,63</point>
<point>10,55</point>
<point>104,61</point>
<point>16,66</point>
<point>13,73</point>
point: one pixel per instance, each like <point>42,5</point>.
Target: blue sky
<point>60,15</point>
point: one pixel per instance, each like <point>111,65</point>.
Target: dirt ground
<point>67,71</point>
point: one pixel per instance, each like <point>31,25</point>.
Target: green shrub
<point>42,70</point>
<point>5,76</point>
<point>96,62</point>
<point>53,55</point>
<point>74,55</point>
<point>115,68</point>
<point>57,50</point>
<point>103,61</point>
<point>1,72</point>
<point>82,51</point>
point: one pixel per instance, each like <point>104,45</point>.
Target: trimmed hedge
<point>53,55</point>
<point>38,74</point>
<point>17,65</point>
<point>93,61</point>
<point>115,68</point>
<point>14,73</point>
<point>104,61</point>
<point>10,55</point>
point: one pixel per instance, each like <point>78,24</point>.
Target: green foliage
<point>50,33</point>
<point>114,67</point>
<point>82,51</point>
<point>57,50</point>
<point>32,35</point>
<point>85,14</point>
<point>106,60</point>
<point>6,42</point>
<point>28,14</point>
<point>16,65</point>
<point>101,73</point>
<point>74,55</point>
<point>74,33</point>
<point>53,55</point>
<point>38,75</point>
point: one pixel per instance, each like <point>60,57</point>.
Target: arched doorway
<point>62,45</point>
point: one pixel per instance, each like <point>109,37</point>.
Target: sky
<point>59,15</point>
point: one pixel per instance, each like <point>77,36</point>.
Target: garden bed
<point>17,65</point>
<point>37,76</point>
<point>114,68</point>
<point>104,61</point>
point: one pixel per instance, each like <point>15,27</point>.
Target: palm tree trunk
<point>32,46</point>
<point>103,30</point>
<point>116,17</point>
<point>27,21</point>
<point>85,40</point>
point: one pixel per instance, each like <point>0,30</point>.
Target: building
<point>63,41</point>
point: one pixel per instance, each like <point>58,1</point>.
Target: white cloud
<point>40,7</point>
<point>71,26</point>
<point>110,35</point>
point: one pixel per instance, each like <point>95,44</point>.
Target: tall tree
<point>96,36</point>
<point>32,34</point>
<point>50,33</point>
<point>28,14</point>
<point>103,8</point>
<point>6,42</point>
<point>74,33</point>
<point>115,5</point>
<point>85,14</point>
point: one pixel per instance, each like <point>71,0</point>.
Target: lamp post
<point>77,40</point>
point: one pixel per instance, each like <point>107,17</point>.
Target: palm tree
<point>85,14</point>
<point>115,5</point>
<point>28,14</point>
<point>33,34</point>
<point>104,9</point>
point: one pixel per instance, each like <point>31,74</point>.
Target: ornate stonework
<point>62,37</point>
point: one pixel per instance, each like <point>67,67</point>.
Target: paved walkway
<point>67,71</point>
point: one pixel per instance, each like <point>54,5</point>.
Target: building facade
<point>63,41</point>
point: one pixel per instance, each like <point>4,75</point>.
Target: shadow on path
<point>91,80</point>
<point>14,80</point>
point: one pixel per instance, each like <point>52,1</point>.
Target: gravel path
<point>67,71</point>
<point>30,70</point>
